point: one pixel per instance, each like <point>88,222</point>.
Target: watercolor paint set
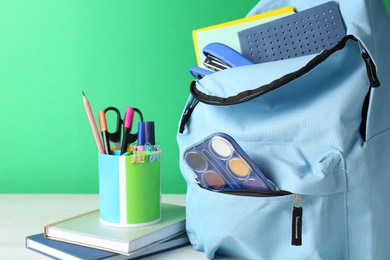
<point>219,163</point>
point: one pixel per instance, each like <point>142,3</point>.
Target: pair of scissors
<point>122,136</point>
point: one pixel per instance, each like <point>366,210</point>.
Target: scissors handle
<point>141,118</point>
<point>115,136</point>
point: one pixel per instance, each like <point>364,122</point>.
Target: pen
<point>104,131</point>
<point>92,123</point>
<point>127,124</point>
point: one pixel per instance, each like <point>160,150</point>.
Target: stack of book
<point>84,237</point>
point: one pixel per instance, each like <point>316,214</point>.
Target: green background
<point>120,53</point>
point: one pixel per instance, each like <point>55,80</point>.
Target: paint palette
<point>219,163</point>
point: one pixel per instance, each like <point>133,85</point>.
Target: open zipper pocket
<point>297,209</point>
<point>249,94</point>
<point>277,83</point>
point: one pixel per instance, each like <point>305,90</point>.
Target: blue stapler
<point>199,73</point>
<point>220,56</point>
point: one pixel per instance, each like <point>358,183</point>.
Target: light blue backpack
<point>318,126</point>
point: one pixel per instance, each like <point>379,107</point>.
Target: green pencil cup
<point>130,189</point>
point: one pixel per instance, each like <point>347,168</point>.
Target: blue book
<point>62,250</point>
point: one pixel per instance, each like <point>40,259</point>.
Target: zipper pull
<point>370,67</point>
<point>297,213</point>
<point>187,113</point>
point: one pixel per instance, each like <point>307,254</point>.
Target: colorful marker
<point>146,133</point>
<point>127,125</point>
<point>104,131</point>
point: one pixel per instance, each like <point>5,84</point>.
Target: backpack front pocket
<point>270,227</point>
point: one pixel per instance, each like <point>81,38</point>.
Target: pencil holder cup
<point>130,189</point>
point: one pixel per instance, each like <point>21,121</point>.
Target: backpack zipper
<point>255,193</point>
<point>187,112</point>
<point>253,93</point>
<point>297,209</point>
<point>297,214</point>
<point>370,67</point>
<point>250,94</point>
<point>374,83</point>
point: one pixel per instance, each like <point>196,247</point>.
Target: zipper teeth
<point>370,66</point>
<point>248,95</point>
<point>256,193</point>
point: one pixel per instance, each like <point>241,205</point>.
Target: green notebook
<point>87,230</point>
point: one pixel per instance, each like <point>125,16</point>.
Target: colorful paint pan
<point>239,167</point>
<point>196,161</point>
<point>213,180</point>
<point>252,184</point>
<point>219,163</point>
<point>221,147</point>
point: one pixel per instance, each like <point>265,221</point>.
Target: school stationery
<point>92,123</point>
<point>146,133</point>
<point>87,230</point>
<point>306,32</point>
<point>123,137</point>
<point>219,163</point>
<point>317,126</point>
<point>63,250</point>
<point>199,73</point>
<point>104,132</point>
<point>220,56</point>
<point>127,125</point>
<point>226,33</point>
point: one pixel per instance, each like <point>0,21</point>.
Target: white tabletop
<point>26,214</point>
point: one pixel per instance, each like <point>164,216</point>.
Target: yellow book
<point>226,33</point>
